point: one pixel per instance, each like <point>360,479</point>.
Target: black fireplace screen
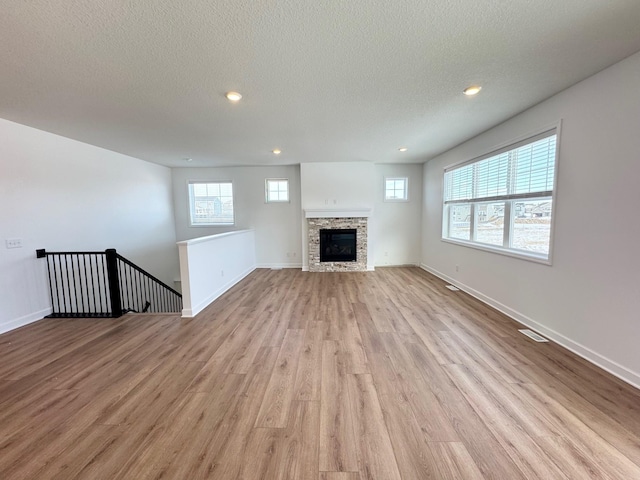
<point>338,245</point>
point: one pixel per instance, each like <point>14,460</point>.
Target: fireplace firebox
<point>338,245</point>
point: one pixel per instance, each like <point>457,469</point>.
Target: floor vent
<point>452,288</point>
<point>533,335</point>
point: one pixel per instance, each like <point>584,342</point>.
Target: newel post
<point>114,283</point>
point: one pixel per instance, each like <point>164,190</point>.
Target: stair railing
<point>104,284</point>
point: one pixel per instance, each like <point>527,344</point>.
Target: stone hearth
<point>315,224</point>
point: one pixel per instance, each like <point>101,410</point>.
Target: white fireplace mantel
<point>337,213</point>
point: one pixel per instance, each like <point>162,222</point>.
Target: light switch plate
<point>13,242</point>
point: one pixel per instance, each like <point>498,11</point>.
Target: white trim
<point>24,320</point>
<point>509,252</point>
<point>337,213</point>
<point>610,366</point>
<point>279,265</point>
<point>417,264</point>
<point>208,238</point>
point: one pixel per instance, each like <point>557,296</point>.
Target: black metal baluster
<point>63,308</point>
<point>66,266</point>
<point>130,288</point>
<point>166,300</point>
<point>123,285</point>
<point>93,286</point>
<point>105,278</point>
<point>55,277</point>
<point>146,292</point>
<point>87,309</point>
<point>75,287</point>
<point>156,298</point>
<point>126,274</point>
<point>139,290</point>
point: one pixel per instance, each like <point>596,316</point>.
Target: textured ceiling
<point>327,80</point>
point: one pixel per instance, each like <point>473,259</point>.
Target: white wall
<point>276,225</point>
<point>60,194</point>
<point>397,224</point>
<point>209,266</point>
<point>338,185</point>
<point>589,299</point>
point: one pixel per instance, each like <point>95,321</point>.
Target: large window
<point>504,201</point>
<point>211,203</point>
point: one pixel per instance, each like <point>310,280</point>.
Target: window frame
<point>395,200</point>
<point>506,249</point>
<point>266,190</point>
<point>191,207</point>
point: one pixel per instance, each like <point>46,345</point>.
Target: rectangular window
<point>503,201</point>
<point>211,203</point>
<point>396,189</point>
<point>277,190</point>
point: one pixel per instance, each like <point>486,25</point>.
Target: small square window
<point>396,189</point>
<point>277,190</point>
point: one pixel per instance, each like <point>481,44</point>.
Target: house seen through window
<point>211,203</point>
<point>504,201</point>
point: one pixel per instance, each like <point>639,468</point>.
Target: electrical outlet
<point>13,242</point>
<point>386,254</point>
<point>294,254</point>
<point>222,273</point>
<point>457,268</point>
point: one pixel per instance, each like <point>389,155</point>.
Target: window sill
<point>531,257</point>
<point>209,225</point>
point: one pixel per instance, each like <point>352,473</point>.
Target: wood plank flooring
<point>322,376</point>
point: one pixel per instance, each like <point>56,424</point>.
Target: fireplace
<point>338,244</point>
<point>351,254</point>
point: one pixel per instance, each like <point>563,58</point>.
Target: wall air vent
<point>533,335</point>
<point>452,288</point>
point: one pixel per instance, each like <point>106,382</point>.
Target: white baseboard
<point>398,265</point>
<point>597,359</point>
<point>192,312</point>
<point>279,265</point>
<point>24,320</point>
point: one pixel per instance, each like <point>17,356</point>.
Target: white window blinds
<point>525,170</point>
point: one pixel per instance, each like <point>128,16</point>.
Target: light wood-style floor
<point>326,376</point>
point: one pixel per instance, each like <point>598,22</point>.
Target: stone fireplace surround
<point>339,219</point>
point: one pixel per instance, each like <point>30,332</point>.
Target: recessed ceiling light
<point>472,90</point>
<point>276,151</point>
<point>188,159</point>
<point>233,96</point>
<point>403,149</point>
